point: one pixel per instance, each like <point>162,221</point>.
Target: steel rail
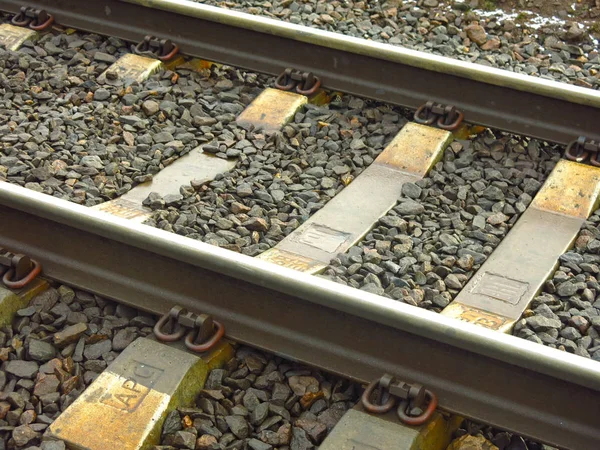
<point>499,379</point>
<point>491,97</point>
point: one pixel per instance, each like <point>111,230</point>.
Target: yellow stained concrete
<point>125,209</point>
<point>415,149</point>
<point>126,405</point>
<point>12,37</point>
<point>131,67</point>
<point>359,430</point>
<point>292,261</point>
<point>272,109</point>
<point>11,301</point>
<point>476,316</point>
<point>571,189</point>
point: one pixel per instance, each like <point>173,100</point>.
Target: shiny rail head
<point>520,104</point>
<point>317,321</point>
<point>442,64</point>
<point>304,287</point>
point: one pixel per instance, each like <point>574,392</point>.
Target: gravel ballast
<point>566,315</point>
<point>66,135</point>
<point>55,348</point>
<point>261,402</point>
<point>63,134</point>
<point>555,48</point>
<point>280,179</point>
<point>59,344</point>
<point>446,225</point>
<point>73,138</point>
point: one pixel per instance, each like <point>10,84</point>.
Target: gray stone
<point>172,423</point>
<point>104,57</point>
<point>101,95</point>
<point>259,414</point>
<point>566,289</point>
<point>244,190</point>
<point>331,416</point>
<point>300,440</point>
<point>317,172</point>
<point>26,312</point>
<point>23,435</point>
<point>184,439</point>
<point>40,350</point>
<point>250,400</point>
<point>411,190</point>
<point>541,323</point>
<point>409,208</point>
<point>97,350</point>
<point>123,338</point>
<point>52,445</point>
<point>22,369</point>
<point>493,193</point>
<point>92,161</point>
<point>215,379</point>
<point>150,107</point>
<point>45,301</point>
<point>570,333</point>
<point>238,426</point>
<point>163,137</point>
<point>255,444</point>
<point>453,282</point>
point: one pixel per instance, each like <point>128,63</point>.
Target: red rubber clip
<point>18,284</point>
<point>422,418</point>
<point>372,407</point>
<point>49,21</point>
<point>194,335</point>
<point>169,319</point>
<point>203,332</point>
<point>410,395</point>
<point>171,54</point>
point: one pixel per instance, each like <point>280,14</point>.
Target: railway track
<point>334,212</point>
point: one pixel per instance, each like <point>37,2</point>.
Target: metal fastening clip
<point>167,328</point>
<point>203,332</point>
<point>163,49</point>
<point>583,149</point>
<point>446,117</point>
<point>36,19</point>
<point>416,406</point>
<point>305,83</point>
<point>19,270</point>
